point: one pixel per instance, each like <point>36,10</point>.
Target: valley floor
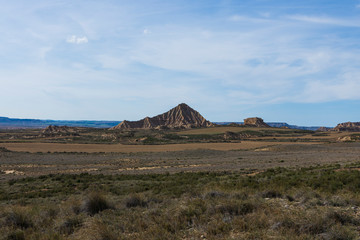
<point>21,164</point>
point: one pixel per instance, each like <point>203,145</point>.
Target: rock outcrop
<point>52,131</point>
<point>348,127</point>
<point>255,122</point>
<point>323,129</point>
<point>351,138</point>
<point>181,116</point>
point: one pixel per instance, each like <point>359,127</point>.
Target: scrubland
<point>307,203</point>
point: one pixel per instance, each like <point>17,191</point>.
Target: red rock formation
<point>182,116</point>
<point>255,122</point>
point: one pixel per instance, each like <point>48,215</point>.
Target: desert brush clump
<point>96,202</point>
<point>19,217</point>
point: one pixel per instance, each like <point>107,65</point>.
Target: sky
<point>282,60</point>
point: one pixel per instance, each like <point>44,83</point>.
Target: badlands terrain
<point>179,176</point>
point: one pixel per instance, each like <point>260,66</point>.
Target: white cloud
<point>240,18</point>
<point>326,20</point>
<point>342,87</point>
<point>358,6</point>
<point>146,31</point>
<point>77,40</point>
<point>268,62</point>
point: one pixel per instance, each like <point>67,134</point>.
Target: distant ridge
<point>277,125</point>
<point>181,116</point>
<point>17,123</point>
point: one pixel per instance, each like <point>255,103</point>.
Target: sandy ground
<point>120,148</point>
<point>20,164</point>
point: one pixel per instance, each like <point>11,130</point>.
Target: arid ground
<point>215,183</point>
<point>261,148</point>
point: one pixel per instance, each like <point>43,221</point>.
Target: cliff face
<point>255,122</point>
<point>182,116</point>
<point>348,126</point>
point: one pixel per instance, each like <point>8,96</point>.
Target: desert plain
<point>207,150</point>
<point>218,182</point>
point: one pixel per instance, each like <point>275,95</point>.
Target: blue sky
<point>285,61</point>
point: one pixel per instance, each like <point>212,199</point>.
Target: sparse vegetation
<point>316,202</point>
<point>67,191</point>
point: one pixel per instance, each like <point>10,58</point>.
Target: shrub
<point>338,201</point>
<point>214,194</point>
<point>69,225</point>
<point>16,235</point>
<point>95,203</point>
<point>19,218</point>
<point>271,194</point>
<point>338,232</point>
<point>135,201</point>
<point>340,217</point>
<point>236,208</point>
<point>104,232</point>
<point>4,149</point>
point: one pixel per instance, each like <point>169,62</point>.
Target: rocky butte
<point>181,116</point>
<point>53,130</point>
<point>348,126</point>
<point>255,122</point>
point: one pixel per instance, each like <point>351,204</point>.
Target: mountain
<point>14,123</point>
<point>181,116</point>
<point>348,126</point>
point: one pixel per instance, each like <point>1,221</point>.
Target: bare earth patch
<point>121,148</point>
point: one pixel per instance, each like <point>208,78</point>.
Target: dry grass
<point>275,204</point>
